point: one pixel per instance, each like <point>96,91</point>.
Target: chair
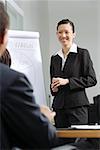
<point>94,111</point>
<point>97,105</point>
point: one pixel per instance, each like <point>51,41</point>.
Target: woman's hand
<point>56,82</point>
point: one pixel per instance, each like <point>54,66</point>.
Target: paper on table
<point>86,126</point>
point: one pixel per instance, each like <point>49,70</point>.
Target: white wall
<point>85,15</point>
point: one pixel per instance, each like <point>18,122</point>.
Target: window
<point>16,15</point>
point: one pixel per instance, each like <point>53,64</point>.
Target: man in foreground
<point>22,123</point>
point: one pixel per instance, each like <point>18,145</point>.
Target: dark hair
<point>6,58</point>
<point>66,21</point>
<point>4,20</point>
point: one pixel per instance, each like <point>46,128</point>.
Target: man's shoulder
<point>7,74</point>
<point>4,69</point>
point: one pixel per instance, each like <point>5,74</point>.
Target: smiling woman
<point>71,73</point>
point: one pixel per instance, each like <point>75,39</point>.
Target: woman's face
<point>65,35</point>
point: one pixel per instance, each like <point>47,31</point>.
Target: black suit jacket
<point>22,124</point>
<point>79,70</point>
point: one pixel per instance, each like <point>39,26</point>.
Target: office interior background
<point>42,16</point>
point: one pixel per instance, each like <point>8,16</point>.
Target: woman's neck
<point>65,51</point>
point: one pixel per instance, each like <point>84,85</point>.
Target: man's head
<point>4,25</point>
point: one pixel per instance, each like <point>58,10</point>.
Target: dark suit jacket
<point>79,70</point>
<point>22,124</point>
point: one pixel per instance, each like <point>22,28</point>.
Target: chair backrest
<point>94,111</point>
<point>97,104</point>
<point>92,114</point>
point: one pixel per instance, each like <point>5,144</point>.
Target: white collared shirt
<point>60,53</point>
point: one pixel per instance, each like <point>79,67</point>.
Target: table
<point>78,133</point>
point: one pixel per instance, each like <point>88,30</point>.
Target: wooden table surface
<point>65,133</point>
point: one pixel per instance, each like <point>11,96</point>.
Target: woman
<point>71,71</point>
